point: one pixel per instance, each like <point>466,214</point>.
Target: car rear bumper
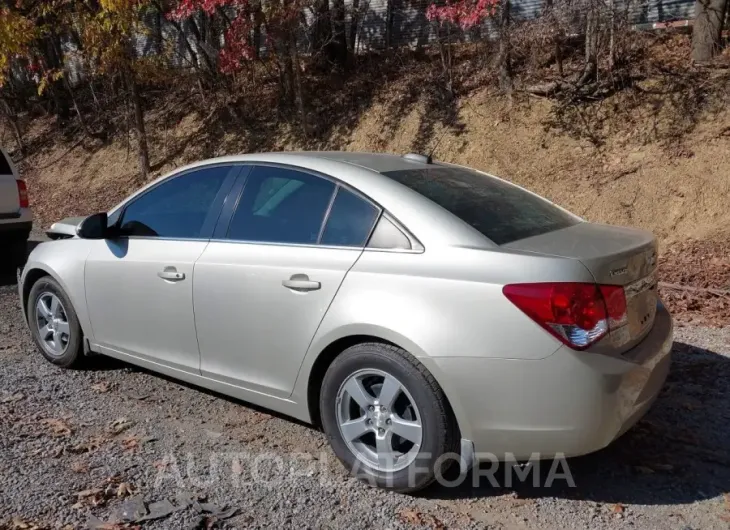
<point>570,403</point>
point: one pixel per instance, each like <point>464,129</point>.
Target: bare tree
<point>707,31</point>
<point>590,68</point>
<point>504,57</point>
<point>339,33</point>
<point>12,119</point>
<point>354,23</point>
<point>142,148</point>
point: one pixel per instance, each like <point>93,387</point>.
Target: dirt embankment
<point>656,155</point>
<point>678,190</point>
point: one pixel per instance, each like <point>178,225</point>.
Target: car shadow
<point>9,275</point>
<point>104,363</point>
<point>684,440</point>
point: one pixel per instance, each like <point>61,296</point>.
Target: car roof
<point>377,162</point>
<point>367,173</point>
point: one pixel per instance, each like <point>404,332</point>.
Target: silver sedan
<point>412,309</point>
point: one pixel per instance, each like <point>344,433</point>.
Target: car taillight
<point>578,314</point>
<point>23,194</point>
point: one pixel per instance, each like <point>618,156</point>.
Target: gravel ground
<point>76,447</point>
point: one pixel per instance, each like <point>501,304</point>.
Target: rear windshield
<point>4,165</point>
<point>502,212</point>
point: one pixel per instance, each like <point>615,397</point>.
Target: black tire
<point>440,433</point>
<point>73,356</point>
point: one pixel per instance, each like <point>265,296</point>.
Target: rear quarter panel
<point>443,303</point>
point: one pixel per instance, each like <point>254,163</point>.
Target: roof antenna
<point>430,155</point>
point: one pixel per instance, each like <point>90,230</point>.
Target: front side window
<point>350,221</point>
<point>281,205</point>
<point>177,208</point>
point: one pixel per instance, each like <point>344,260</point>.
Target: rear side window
<point>350,221</point>
<point>281,205</point>
<point>4,165</point>
<point>177,208</point>
<point>502,212</point>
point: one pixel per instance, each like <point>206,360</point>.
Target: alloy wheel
<point>379,420</point>
<point>52,324</point>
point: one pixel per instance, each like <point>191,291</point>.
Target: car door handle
<point>301,282</point>
<point>170,274</point>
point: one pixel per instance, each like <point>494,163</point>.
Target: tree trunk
<point>444,42</point>
<point>298,90</point>
<point>559,56</point>
<point>321,28</point>
<point>55,42</point>
<point>339,33</point>
<point>590,68</point>
<point>55,87</point>
<point>144,156</point>
<point>354,22</point>
<point>286,73</point>
<point>389,19</point>
<point>557,38</point>
<point>257,21</point>
<point>707,31</point>
<point>505,49</point>
<point>612,36</point>
<point>13,120</point>
<point>199,37</point>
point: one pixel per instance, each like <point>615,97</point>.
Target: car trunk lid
<point>614,256</point>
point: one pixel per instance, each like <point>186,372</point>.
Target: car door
<point>262,290</point>
<point>139,286</point>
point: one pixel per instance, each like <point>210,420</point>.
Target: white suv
<point>16,219</point>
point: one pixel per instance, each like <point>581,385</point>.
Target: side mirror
<point>93,227</point>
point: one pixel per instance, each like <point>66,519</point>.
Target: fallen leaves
<point>135,510</point>
<point>130,444</point>
<point>79,467</point>
<point>57,427</point>
<point>92,444</point>
<point>125,489</point>
<point>160,464</point>
<point>96,524</point>
<point>134,443</point>
<point>417,518</point>
<point>12,398</point>
<point>102,387</point>
<point>697,274</point>
<point>120,425</point>
<point>113,487</point>
<point>19,524</point>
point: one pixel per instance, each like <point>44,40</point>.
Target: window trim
<point>224,224</point>
<point>216,209</point>
<point>416,246</point>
